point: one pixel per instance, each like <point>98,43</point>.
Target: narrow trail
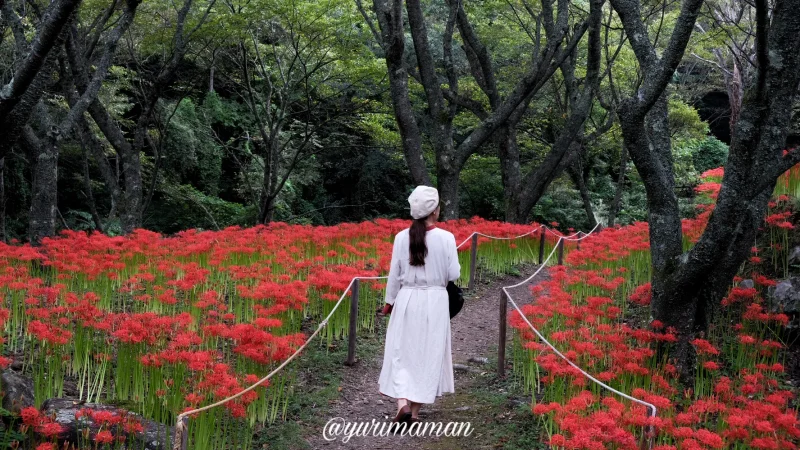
<point>474,346</point>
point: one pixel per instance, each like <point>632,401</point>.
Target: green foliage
<point>708,153</point>
<point>686,177</point>
<point>80,220</point>
<point>482,189</point>
<point>381,127</point>
<point>561,203</point>
<point>190,150</point>
<point>181,207</point>
<point>684,122</point>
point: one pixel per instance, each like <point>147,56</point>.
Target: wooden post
<point>561,252</point>
<point>541,246</point>
<point>351,338</point>
<point>181,437</point>
<point>473,260</point>
<point>647,437</point>
<point>580,236</point>
<point>501,345</point>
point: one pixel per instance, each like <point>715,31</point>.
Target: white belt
<point>426,288</point>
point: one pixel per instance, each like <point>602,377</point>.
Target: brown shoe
<point>403,415</point>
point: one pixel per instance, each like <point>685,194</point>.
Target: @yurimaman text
<point>338,427</point>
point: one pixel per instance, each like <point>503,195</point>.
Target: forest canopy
<point>205,114</point>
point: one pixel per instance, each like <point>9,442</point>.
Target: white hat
<point>423,201</point>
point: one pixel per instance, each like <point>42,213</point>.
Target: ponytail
<point>418,250</point>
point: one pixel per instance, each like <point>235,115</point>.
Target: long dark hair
<point>416,236</point>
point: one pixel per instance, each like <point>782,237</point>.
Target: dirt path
<point>478,391</point>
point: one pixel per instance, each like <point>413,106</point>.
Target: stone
<point>748,284</point>
<point>156,436</point>
<point>464,368</point>
<point>18,391</point>
<point>785,296</point>
<point>479,360</point>
<point>794,255</point>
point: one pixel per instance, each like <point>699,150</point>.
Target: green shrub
<point>708,153</point>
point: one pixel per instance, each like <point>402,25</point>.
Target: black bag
<point>456,296</point>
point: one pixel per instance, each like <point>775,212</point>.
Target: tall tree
<point>130,191</point>
<point>291,66</point>
<point>443,104</point>
<point>734,23</point>
<point>523,192</point>
<point>686,287</point>
<point>44,137</point>
<point>20,94</point>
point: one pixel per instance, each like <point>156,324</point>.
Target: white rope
<point>621,394</point>
<point>580,238</point>
<point>586,374</point>
<point>498,237</point>
<point>571,237</point>
<point>542,266</point>
<point>289,359</point>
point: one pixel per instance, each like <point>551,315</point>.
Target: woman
<point>417,360</point>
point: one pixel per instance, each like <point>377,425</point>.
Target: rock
<point>156,436</point>
<point>794,255</point>
<point>18,391</point>
<point>479,360</point>
<point>464,368</point>
<point>785,296</point>
<point>748,284</point>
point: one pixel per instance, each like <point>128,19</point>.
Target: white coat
<point>417,360</point>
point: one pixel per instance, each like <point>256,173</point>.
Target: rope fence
<point>503,320</point>
<point>181,435</point>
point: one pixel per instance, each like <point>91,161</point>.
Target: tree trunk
<point>450,158</point>
<point>3,235</point>
<point>577,178</point>
<point>131,214</point>
<point>527,191</point>
<point>687,287</point>
<point>616,203</point>
<point>87,186</point>
<point>22,93</point>
<point>508,151</point>
<point>267,210</point>
<point>44,192</point>
<point>448,194</point>
<point>390,19</point>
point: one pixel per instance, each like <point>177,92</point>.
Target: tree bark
<point>576,174</point>
<point>567,145</point>
<point>3,233</point>
<point>616,203</point>
<point>23,92</point>
<point>450,158</point>
<point>131,198</point>
<point>95,148</point>
<point>510,172</point>
<point>44,188</point>
<point>687,287</point>
<point>390,19</point>
<point>87,187</point>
